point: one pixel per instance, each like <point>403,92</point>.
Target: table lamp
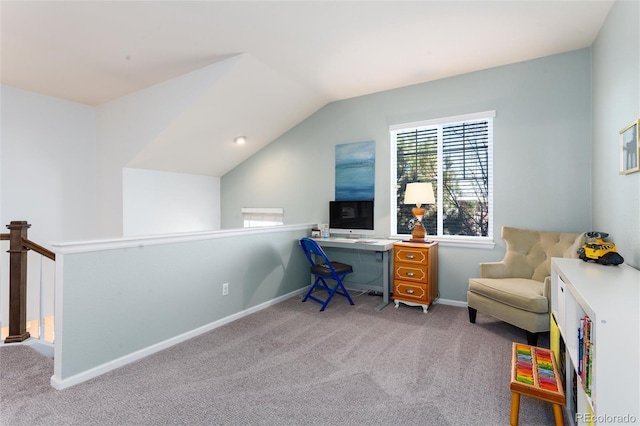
<point>419,193</point>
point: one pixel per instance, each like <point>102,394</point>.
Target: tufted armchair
<point>517,289</point>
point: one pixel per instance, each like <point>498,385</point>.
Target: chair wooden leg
<point>515,408</point>
<point>557,415</point>
<point>472,315</point>
<point>532,338</point>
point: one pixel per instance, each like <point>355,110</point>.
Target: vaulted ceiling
<point>276,62</point>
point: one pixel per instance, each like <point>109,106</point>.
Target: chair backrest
<point>529,252</point>
<point>312,248</point>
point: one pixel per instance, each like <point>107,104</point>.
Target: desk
<point>368,244</point>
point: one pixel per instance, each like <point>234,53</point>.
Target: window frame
<point>439,123</point>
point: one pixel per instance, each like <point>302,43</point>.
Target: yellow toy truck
<point>598,250</point>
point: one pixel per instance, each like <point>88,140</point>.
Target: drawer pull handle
<point>411,256</point>
<point>410,274</point>
<point>410,291</point>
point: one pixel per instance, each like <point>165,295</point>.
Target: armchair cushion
<point>520,293</point>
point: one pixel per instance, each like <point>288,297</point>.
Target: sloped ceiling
<point>248,98</point>
<point>283,60</point>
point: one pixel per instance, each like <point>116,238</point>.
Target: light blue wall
<point>542,154</point>
<point>119,299</point>
<point>616,104</point>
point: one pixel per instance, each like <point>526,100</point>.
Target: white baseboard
<point>451,302</point>
<point>60,384</point>
<point>45,348</point>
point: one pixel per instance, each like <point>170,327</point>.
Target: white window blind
<point>455,155</point>
<point>262,216</point>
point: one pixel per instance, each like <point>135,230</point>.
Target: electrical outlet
<point>225,289</point>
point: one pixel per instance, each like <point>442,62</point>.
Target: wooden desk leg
<point>557,415</point>
<point>515,408</point>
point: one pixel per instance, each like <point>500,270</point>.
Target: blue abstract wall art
<point>355,171</point>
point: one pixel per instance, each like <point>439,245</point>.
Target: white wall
<point>48,165</point>
<point>156,202</point>
<point>127,125</point>
<point>61,169</point>
<point>616,104</point>
<point>47,171</point>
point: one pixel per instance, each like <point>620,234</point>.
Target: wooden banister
<point>39,249</point>
<point>19,245</point>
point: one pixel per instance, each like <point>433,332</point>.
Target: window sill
<point>462,242</point>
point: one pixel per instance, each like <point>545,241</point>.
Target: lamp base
<point>418,234</point>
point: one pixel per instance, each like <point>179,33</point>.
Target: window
<point>455,155</point>
<point>259,216</point>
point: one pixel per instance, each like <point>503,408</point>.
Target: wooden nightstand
<point>415,275</point>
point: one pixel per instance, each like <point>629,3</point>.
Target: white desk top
<point>372,244</point>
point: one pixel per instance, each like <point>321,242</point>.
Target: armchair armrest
<point>495,270</point>
<point>546,290</point>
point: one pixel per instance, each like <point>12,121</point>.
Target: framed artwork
<point>628,148</point>
<point>355,171</point>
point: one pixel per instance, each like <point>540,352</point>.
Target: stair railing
<point>19,245</point>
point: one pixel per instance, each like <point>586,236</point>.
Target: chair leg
<point>344,292</point>
<point>515,409</point>
<point>339,286</point>
<point>557,415</point>
<point>472,315</point>
<point>532,338</point>
<point>320,283</point>
<point>311,290</point>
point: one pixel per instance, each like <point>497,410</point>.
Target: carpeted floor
<point>290,364</point>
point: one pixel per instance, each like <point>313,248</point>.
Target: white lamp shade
<point>419,193</point>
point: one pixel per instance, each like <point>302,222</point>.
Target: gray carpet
<point>290,364</point>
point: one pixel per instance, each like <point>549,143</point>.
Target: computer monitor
<point>351,217</point>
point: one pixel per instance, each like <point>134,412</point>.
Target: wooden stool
<point>534,373</point>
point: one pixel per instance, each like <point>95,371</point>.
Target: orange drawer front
<point>417,273</point>
<point>409,254</point>
<point>411,291</point>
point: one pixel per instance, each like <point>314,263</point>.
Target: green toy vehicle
<point>599,251</point>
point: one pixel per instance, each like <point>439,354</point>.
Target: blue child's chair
<point>325,269</point>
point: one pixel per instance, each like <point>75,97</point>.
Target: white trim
<point>490,178</point>
<point>393,184</point>
<point>451,241</point>
<point>467,242</point>
<point>150,240</point>
<point>60,384</point>
<point>445,120</point>
<point>45,348</point>
<point>439,123</point>
<point>451,302</point>
<point>58,314</point>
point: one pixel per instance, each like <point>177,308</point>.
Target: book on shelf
<point>585,353</point>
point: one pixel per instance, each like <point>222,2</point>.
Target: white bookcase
<point>610,297</point>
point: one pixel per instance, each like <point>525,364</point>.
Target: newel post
<point>17,282</point>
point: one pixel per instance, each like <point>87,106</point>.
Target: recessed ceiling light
<point>240,140</point>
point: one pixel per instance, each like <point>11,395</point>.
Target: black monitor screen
<point>356,215</point>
